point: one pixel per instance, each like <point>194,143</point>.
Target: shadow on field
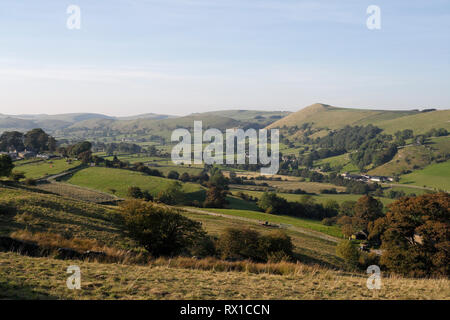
<point>22,292</point>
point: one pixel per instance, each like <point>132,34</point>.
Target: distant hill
<point>248,115</point>
<point>322,116</point>
<point>58,122</point>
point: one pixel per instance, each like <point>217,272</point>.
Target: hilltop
<point>326,117</point>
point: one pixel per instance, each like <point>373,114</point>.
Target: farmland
<point>435,175</point>
<point>42,169</point>
<point>179,277</point>
<point>106,179</point>
<point>280,219</point>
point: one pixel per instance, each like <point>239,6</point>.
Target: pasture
<point>436,175</point>
<point>119,180</point>
<point>42,169</point>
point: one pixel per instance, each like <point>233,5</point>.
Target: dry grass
<point>53,241</point>
<point>75,192</point>
<point>31,278</point>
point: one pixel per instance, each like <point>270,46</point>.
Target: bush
<point>30,182</point>
<point>135,192</point>
<point>160,230</point>
<point>204,247</point>
<point>17,176</point>
<point>238,244</point>
<point>173,175</point>
<point>347,251</point>
<point>367,259</point>
<point>328,221</point>
<point>172,195</point>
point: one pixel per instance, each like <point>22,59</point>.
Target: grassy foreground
<point>30,278</point>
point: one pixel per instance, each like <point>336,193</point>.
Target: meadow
<point>281,219</point>
<point>108,179</point>
<point>436,175</point>
<point>41,169</point>
<point>319,198</point>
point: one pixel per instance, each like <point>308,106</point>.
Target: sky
<point>183,56</point>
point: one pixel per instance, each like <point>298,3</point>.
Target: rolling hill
<point>326,117</point>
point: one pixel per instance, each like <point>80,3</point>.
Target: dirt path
<point>306,231</point>
<point>406,186</point>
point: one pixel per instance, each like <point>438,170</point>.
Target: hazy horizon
<point>212,110</point>
<point>176,57</point>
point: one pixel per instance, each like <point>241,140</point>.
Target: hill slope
<point>323,116</point>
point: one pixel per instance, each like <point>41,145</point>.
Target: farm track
<point>305,231</point>
<point>407,186</point>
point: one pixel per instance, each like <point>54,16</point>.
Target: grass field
<point>44,168</point>
<point>310,187</point>
<point>105,179</point>
<point>436,175</point>
<point>322,198</point>
<point>296,222</point>
<point>76,192</point>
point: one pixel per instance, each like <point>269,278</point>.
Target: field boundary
<point>305,231</point>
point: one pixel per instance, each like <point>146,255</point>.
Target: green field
<point>44,168</point>
<point>322,198</point>
<point>105,179</point>
<point>296,222</point>
<point>435,175</point>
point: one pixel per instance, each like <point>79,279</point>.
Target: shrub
<point>367,259</point>
<point>348,251</point>
<point>135,192</point>
<point>204,247</point>
<point>30,182</point>
<point>17,176</point>
<point>173,175</point>
<point>328,221</point>
<point>249,244</point>
<point>160,230</point>
<point>6,165</point>
<point>172,195</point>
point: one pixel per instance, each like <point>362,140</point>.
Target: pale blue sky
<point>183,56</point>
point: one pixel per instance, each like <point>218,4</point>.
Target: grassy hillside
<point>325,116</point>
<point>435,175</point>
<point>40,212</point>
<point>105,179</point>
<point>46,279</point>
<point>23,277</point>
<point>34,211</point>
<point>329,117</point>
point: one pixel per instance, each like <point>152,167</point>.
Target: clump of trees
<point>34,140</point>
<point>307,208</point>
<point>172,195</point>
<point>81,151</point>
<point>415,235</point>
<point>360,215</point>
<point>217,190</point>
<point>137,193</point>
<point>355,258</point>
<point>6,165</point>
